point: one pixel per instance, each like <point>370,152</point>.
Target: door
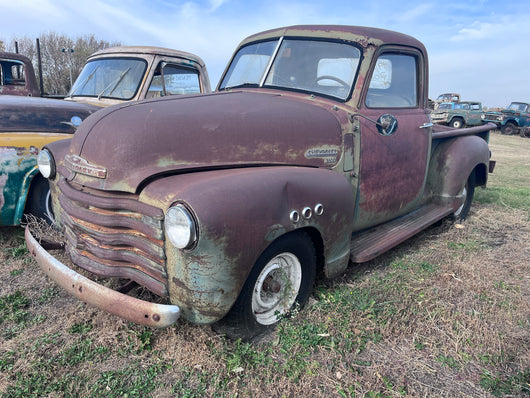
<point>394,152</point>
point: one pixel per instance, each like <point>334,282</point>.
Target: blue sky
<point>479,48</point>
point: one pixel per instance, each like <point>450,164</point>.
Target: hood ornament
<point>80,165</point>
<point>74,122</point>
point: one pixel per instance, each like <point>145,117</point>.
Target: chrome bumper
<point>122,305</point>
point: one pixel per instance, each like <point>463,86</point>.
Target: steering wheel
<point>335,79</point>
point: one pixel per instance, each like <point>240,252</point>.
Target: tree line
<point>62,57</point>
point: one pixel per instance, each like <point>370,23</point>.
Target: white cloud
<point>477,31</point>
<point>215,4</point>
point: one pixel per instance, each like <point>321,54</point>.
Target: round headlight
<point>180,227</point>
<point>46,164</point>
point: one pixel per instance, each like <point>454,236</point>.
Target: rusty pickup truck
<point>317,150</point>
<point>111,76</point>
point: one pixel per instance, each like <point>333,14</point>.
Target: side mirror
<point>387,124</point>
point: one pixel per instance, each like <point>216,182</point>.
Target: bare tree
<point>2,47</point>
<point>62,57</point>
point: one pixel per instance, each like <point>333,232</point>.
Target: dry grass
<point>446,314</point>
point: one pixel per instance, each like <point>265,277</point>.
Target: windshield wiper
<point>114,84</point>
<point>248,84</point>
<point>81,86</point>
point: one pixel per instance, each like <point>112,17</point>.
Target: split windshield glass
<point>314,66</point>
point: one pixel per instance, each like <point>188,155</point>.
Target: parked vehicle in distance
<point>17,75</point>
<point>510,120</point>
<point>111,76</point>
<point>447,97</point>
<point>458,114</point>
<point>316,150</point>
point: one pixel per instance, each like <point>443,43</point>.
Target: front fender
<point>19,166</point>
<point>239,213</point>
<point>453,161</point>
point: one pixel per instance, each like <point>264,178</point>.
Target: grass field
<point>446,314</point>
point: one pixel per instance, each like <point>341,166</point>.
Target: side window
<point>174,79</point>
<point>394,83</point>
<point>12,73</point>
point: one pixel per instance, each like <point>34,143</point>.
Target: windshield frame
<point>76,86</point>
<point>223,82</point>
<point>518,105</point>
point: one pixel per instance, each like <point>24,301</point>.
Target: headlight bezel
<point>46,164</point>
<point>180,226</point>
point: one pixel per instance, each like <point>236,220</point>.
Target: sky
<point>478,48</point>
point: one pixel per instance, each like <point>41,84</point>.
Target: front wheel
<point>39,202</point>
<point>457,123</point>
<point>509,128</point>
<point>281,279</point>
<point>467,193</point>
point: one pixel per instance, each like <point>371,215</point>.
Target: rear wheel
<point>39,202</point>
<point>509,128</point>
<point>281,279</point>
<point>467,193</point>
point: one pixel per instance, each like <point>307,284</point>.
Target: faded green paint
<point>18,169</point>
<point>203,282</point>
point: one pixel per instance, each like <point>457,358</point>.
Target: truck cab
<point>129,73</point>
<point>17,76</point>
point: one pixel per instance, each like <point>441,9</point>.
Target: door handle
<point>426,125</point>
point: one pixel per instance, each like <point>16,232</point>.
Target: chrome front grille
<point>114,235</point>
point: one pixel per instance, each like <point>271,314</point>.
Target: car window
<point>394,82</point>
<point>170,79</point>
<point>12,73</point>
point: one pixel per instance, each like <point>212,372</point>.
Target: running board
<point>375,241</point>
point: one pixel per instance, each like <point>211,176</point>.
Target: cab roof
<point>124,50</point>
<point>359,34</point>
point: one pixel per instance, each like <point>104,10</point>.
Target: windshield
<point>518,107</point>
<point>320,67</point>
<point>446,105</point>
<point>117,78</point>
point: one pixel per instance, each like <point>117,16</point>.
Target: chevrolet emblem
<point>80,165</point>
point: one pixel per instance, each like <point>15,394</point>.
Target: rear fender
<point>452,162</point>
<point>239,213</point>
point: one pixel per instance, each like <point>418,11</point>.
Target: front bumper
<point>122,305</point>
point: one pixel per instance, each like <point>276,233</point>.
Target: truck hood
<point>32,114</point>
<point>125,145</point>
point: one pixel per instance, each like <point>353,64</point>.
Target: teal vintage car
<point>26,125</point>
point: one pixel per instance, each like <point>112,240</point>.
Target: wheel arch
<point>452,162</point>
